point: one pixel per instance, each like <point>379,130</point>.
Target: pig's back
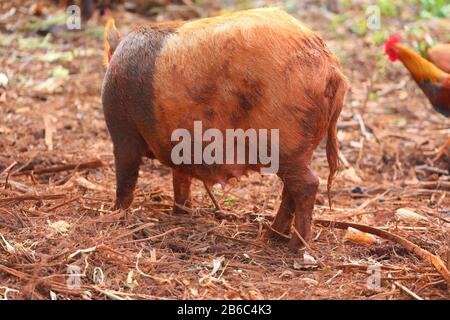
<point>256,69</point>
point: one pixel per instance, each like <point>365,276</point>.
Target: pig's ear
<point>112,39</point>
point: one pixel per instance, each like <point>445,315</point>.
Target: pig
<point>258,69</point>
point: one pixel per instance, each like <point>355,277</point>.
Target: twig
<point>55,286</point>
<point>116,294</point>
<point>51,196</point>
<point>368,91</point>
<point>85,165</point>
<point>153,237</point>
<point>267,226</point>
<point>333,277</point>
<point>22,223</point>
<point>8,172</point>
<point>213,198</point>
<point>362,126</point>
<point>88,250</point>
<point>108,293</point>
<point>432,169</point>
<point>7,290</point>
<point>360,153</point>
<point>241,241</point>
<point>48,132</point>
<point>360,210</point>
<point>372,200</point>
<point>62,204</point>
<point>448,252</point>
<point>432,185</point>
<point>8,168</point>
<point>347,124</point>
<point>424,254</point>
<point>344,160</point>
<point>406,290</point>
<point>309,248</point>
<point>19,186</point>
<point>132,231</point>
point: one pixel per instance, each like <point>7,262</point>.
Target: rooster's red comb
<point>390,49</point>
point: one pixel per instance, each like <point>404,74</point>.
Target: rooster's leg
<point>442,150</point>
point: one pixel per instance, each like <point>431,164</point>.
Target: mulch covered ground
<point>57,187</point>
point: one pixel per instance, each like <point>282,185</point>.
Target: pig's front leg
<point>182,191</point>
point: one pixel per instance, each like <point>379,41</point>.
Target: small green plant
<point>339,18</point>
<point>60,72</point>
<point>359,28</point>
<point>43,24</point>
<point>52,56</point>
<point>35,42</point>
<point>96,32</point>
<point>6,40</point>
<point>346,4</point>
<point>423,47</point>
<point>380,64</point>
<point>378,38</point>
<point>230,201</point>
<point>416,32</point>
<point>373,96</point>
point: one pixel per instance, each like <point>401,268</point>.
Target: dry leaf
<point>351,175</point>
<point>58,227</point>
<point>83,182</point>
<point>407,215</point>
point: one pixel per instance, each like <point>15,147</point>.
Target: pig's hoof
<point>295,244</point>
<point>271,234</point>
<point>122,203</point>
<point>224,215</point>
<point>116,206</point>
<point>180,211</point>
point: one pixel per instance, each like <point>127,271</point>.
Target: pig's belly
<point>217,174</point>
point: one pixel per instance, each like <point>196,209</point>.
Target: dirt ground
<point>56,222</point>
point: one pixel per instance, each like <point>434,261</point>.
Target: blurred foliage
<point>35,42</point>
<point>435,8</point>
<point>41,24</point>
<point>60,72</point>
<point>388,8</point>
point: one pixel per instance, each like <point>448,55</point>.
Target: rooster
<point>434,82</point>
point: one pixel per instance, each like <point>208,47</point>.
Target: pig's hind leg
<point>283,219</point>
<point>129,147</point>
<point>302,184</point>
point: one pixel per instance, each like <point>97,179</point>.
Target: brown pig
<point>256,69</point>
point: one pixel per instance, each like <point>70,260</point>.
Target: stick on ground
<point>434,260</point>
<point>213,198</point>
<point>85,165</point>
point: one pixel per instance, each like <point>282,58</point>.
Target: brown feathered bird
<point>434,81</point>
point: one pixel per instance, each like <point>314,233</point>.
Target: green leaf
<point>60,72</point>
<point>230,201</point>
